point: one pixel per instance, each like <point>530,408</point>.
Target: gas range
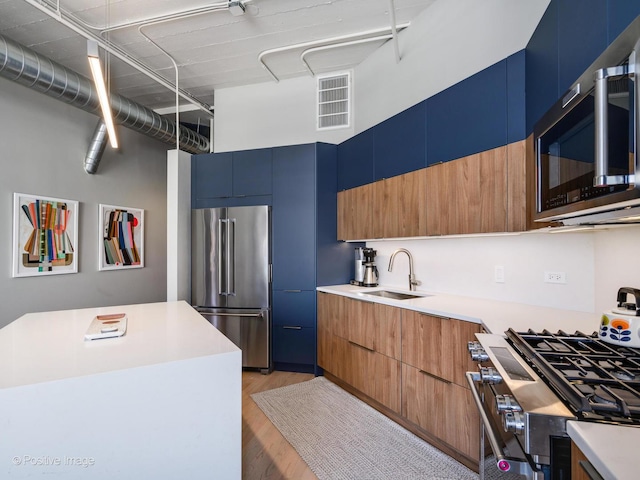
<point>529,384</point>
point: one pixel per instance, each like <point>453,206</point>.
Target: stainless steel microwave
<point>587,163</point>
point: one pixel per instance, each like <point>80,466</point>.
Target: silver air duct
<point>28,68</point>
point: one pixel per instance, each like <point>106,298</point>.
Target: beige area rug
<point>341,437</point>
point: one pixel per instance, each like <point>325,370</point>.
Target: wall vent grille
<point>334,101</point>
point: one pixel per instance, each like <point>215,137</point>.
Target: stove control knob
<point>490,375</point>
<point>478,354</point>
<point>507,402</point>
<point>471,346</point>
<point>513,422</point>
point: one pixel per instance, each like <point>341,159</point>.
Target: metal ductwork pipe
<point>26,67</point>
<point>96,148</point>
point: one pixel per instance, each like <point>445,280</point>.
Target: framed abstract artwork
<point>121,238</point>
<point>45,235</point>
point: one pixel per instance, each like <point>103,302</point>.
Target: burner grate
<point>599,381</point>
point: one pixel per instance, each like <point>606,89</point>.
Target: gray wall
<point>43,143</point>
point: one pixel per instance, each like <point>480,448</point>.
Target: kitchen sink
<point>393,295</point>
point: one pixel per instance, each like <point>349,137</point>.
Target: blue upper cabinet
<point>620,15</point>
<point>252,172</point>
<point>582,36</point>
<point>231,179</point>
<point>398,143</point>
<point>355,161</point>
<point>293,217</point>
<point>569,37</point>
<point>516,97</point>
<point>211,175</point>
<point>542,67</point>
<point>469,117</point>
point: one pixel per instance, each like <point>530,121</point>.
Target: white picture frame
<point>120,237</point>
<point>45,235</point>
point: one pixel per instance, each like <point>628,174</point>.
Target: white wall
<point>44,143</point>
<point>448,42</point>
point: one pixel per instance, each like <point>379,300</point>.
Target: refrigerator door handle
<point>221,257</point>
<point>252,315</point>
<point>231,257</point>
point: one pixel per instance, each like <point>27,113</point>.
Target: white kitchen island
<point>162,402</point>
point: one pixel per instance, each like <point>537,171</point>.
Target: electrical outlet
<point>555,277</point>
<point>498,274</point>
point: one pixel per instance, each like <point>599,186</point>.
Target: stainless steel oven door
<point>507,452</point>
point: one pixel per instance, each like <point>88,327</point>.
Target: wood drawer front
<point>443,409</point>
<point>422,344</point>
<point>375,375</point>
<point>438,345</point>
<point>387,325</point>
<point>360,323</point>
<point>331,313</point>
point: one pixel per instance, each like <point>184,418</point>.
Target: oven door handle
<point>503,462</point>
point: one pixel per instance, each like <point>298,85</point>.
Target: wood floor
<point>265,452</point>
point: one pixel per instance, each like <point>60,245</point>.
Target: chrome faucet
<point>412,279</point>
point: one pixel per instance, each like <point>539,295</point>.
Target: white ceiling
<point>212,48</point>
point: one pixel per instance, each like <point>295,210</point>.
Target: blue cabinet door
<point>293,218</point>
<point>620,15</point>
<point>211,176</point>
<point>582,37</point>
<point>399,143</point>
<point>469,117</point>
<point>294,308</point>
<point>294,347</point>
<point>355,161</point>
<point>252,172</point>
<point>542,67</point>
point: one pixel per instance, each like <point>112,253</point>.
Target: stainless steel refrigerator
<point>231,277</point>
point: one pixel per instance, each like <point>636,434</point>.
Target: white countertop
<point>611,449</point>
<point>48,346</point>
<point>494,315</point>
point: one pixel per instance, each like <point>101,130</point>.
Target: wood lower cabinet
<point>437,345</point>
<point>353,345</point>
<point>411,363</point>
<point>581,468</point>
<point>443,409</point>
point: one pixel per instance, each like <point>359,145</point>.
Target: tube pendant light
<point>98,80</point>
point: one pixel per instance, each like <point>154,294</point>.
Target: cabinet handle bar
<point>448,382</point>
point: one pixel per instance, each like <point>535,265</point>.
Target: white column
<point>178,226</point>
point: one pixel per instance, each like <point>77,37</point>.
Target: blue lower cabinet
<point>294,330</point>
<point>294,348</point>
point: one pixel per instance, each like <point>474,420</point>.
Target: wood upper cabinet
<point>487,192</point>
<point>355,213</point>
<point>437,345</point>
<point>399,208</point>
<point>468,195</point>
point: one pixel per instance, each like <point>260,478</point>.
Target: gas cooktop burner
<point>615,396</point>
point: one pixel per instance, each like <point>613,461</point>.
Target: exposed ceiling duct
<point>26,67</point>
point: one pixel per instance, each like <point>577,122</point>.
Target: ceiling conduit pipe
<point>96,148</point>
<point>26,67</point>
